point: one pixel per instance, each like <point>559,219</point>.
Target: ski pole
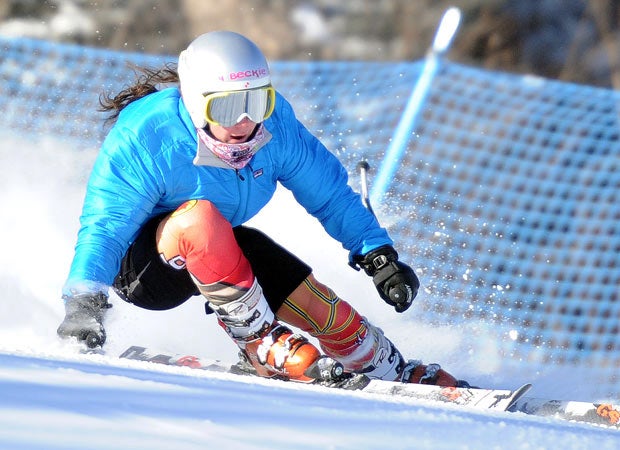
<point>443,38</point>
<point>364,167</point>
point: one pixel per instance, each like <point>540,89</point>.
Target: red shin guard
<point>197,237</point>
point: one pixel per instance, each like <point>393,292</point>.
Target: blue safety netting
<point>506,200</point>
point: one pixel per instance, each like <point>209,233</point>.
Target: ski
<point>603,414</point>
<point>497,399</point>
<point>137,353</point>
<point>478,398</point>
<point>600,414</point>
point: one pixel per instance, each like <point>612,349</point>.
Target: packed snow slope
<point>54,404</point>
<point>53,397</point>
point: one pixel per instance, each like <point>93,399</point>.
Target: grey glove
<point>84,318</point>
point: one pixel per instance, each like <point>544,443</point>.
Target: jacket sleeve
<point>319,183</point>
<point>121,193</point>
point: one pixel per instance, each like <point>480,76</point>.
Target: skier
<point>180,172</point>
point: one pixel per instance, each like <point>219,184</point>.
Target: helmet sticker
<point>254,73</point>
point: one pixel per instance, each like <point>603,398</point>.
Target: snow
<point>53,397</point>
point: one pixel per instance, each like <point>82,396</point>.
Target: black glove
<point>84,318</point>
<point>396,282</point>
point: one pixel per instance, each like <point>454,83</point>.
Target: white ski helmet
<point>219,61</point>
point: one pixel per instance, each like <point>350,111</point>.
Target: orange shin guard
<point>198,238</point>
<point>342,332</point>
<point>317,310</point>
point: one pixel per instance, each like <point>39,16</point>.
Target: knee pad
<point>198,238</point>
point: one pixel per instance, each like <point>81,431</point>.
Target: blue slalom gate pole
<point>443,37</point>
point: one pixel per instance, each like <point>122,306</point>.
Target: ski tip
<point>522,390</point>
<point>517,394</point>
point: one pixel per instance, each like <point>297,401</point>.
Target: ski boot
<point>324,371</point>
<point>378,358</point>
<point>267,348</point>
<point>279,353</point>
<point>416,372</point>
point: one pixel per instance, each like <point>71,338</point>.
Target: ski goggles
<point>229,108</point>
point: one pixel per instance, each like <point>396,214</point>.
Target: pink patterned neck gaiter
<point>236,156</point>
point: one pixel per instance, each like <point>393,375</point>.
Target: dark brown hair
<point>148,80</point>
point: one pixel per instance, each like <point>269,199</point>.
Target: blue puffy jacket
<point>145,167</point>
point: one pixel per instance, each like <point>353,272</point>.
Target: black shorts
<point>148,282</point>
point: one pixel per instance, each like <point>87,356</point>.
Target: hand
<point>395,281</point>
<point>84,318</point>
